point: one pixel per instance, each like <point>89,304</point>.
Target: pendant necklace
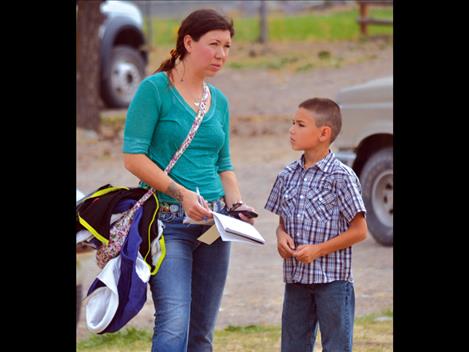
<point>197,101</point>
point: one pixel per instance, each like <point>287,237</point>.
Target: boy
<point>321,215</point>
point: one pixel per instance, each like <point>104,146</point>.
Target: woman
<point>188,287</point>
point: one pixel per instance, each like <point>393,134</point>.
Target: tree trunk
<point>263,22</point>
<point>88,100</point>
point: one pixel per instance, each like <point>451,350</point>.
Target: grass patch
<point>252,338</point>
<point>291,57</point>
<point>332,25</point>
<point>130,339</point>
<point>372,333</point>
<point>113,117</point>
<point>112,124</point>
<point>292,39</point>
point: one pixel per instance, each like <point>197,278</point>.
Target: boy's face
<point>304,134</point>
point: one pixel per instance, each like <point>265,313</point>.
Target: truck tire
<point>377,186</point>
<point>78,303</point>
<point>124,74</point>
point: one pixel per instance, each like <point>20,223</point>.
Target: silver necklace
<point>197,101</point>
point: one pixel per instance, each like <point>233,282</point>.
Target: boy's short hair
<point>327,113</point>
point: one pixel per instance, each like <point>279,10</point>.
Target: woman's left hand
<point>245,217</point>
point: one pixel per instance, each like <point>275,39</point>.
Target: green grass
<point>291,40</point>
<point>130,339</point>
<point>372,333</point>
<point>293,56</point>
<point>309,26</point>
<point>112,124</point>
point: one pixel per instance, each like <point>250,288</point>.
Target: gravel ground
<point>261,104</point>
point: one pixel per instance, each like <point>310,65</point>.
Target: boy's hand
<point>285,244</point>
<point>306,253</point>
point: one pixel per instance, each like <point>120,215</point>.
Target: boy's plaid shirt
<point>316,205</point>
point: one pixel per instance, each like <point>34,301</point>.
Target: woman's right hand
<point>195,206</point>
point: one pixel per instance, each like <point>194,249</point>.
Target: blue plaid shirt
<point>317,204</point>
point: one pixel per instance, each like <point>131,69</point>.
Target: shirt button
<point>298,216</point>
<point>305,179</point>
<point>302,196</point>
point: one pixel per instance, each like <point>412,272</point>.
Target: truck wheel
<point>78,303</point>
<point>124,74</point>
<point>377,184</point>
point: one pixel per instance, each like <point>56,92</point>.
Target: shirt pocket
<point>288,202</point>
<point>320,204</point>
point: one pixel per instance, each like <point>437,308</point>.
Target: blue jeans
<point>188,288</point>
<point>332,305</point>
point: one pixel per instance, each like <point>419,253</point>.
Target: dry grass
<point>291,56</point>
<point>372,333</point>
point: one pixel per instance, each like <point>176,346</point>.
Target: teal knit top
<point>159,119</point>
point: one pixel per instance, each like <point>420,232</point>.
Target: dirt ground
<point>261,104</point>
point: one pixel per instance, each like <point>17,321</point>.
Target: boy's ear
<point>325,135</point>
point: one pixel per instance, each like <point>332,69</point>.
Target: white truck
<point>123,53</point>
<point>366,144</point>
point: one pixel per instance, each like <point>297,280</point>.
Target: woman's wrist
<point>176,191</point>
<point>236,204</point>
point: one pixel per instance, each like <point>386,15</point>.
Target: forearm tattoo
<point>174,191</point>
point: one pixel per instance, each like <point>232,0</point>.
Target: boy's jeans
<point>188,288</point>
<point>332,305</point>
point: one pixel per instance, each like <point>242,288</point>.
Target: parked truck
<point>366,145</point>
<point>123,54</point>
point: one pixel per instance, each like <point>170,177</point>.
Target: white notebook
<point>232,229</point>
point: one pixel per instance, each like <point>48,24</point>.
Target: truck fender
<point>113,26</point>
<point>377,128</point>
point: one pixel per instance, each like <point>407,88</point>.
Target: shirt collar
<point>325,164</point>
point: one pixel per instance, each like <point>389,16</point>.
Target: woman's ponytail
<point>168,64</point>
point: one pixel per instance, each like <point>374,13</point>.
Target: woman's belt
<point>177,209</point>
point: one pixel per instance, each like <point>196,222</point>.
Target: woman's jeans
<point>188,288</point>
<point>332,305</point>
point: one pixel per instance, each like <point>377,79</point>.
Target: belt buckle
<point>164,207</point>
<point>217,205</point>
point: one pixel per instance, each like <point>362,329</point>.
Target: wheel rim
<point>124,80</point>
<point>382,197</point>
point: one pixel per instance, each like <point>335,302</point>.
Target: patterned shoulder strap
<point>193,130</point>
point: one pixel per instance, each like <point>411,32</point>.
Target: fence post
<point>149,25</point>
<point>363,17</point>
<point>263,22</point>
